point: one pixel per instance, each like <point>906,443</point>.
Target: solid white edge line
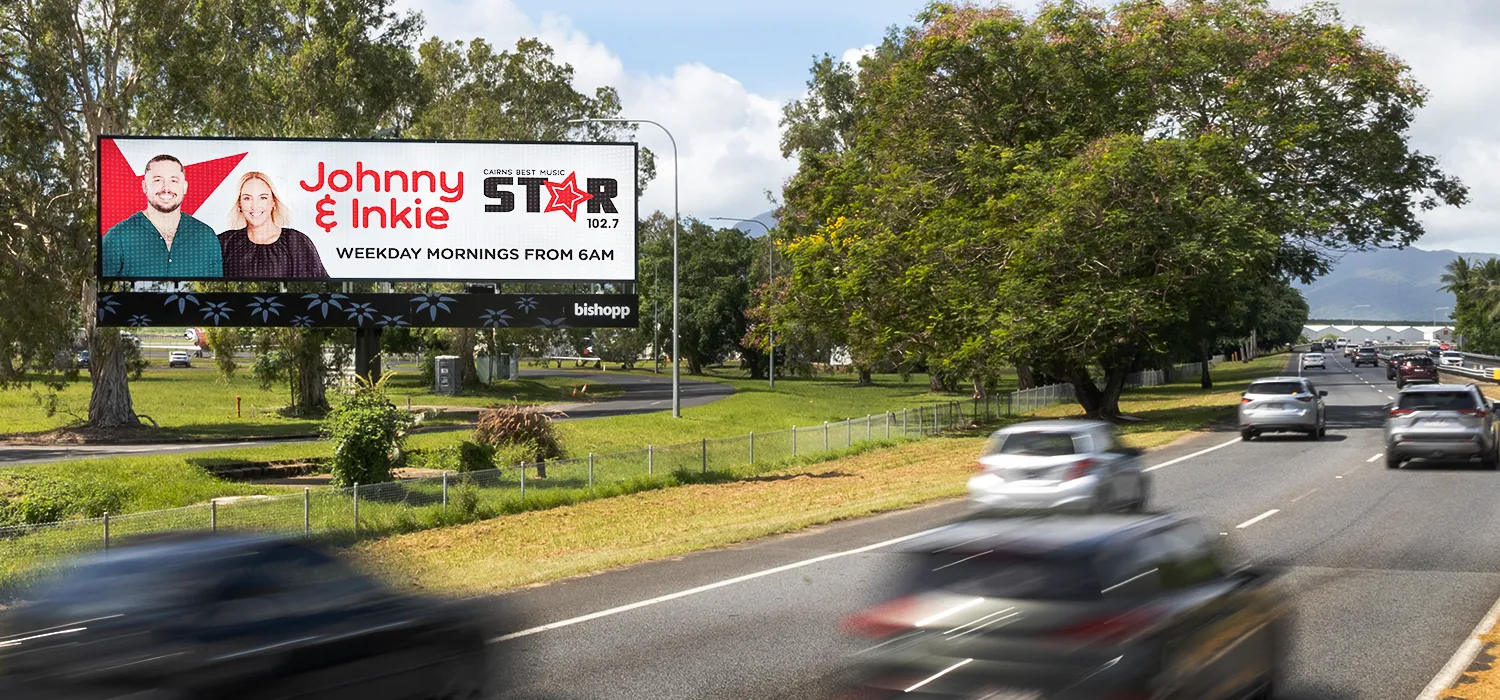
<point>1171,462</point>
<point>704,588</point>
<point>1257,518</point>
<point>938,675</point>
<point>1461,658</point>
<point>1378,455</point>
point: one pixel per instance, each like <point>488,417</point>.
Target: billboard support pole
<point>367,353</point>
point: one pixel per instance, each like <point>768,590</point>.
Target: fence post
<point>523,481</point>
<point>591,470</point>
<point>752,448</point>
<point>868,416</point>
<point>106,531</point>
<point>794,441</point>
<point>705,455</point>
<point>213,516</point>
<point>904,432</point>
<point>445,492</point>
<point>650,459</point>
<point>306,512</point>
<point>887,425</point>
<point>825,436</point>
<point>848,432</point>
<point>356,509</point>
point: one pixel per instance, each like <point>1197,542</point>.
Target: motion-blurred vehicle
<point>1434,350</point>
<point>1366,356</point>
<point>1416,369</point>
<point>1392,363</point>
<point>235,617</point>
<point>1074,608</point>
<point>179,358</point>
<point>1328,346</point>
<point>1368,343</point>
<point>1452,358</point>
<point>1313,359</point>
<point>1349,350</point>
<point>1282,405</point>
<point>1059,465</point>
<point>81,361</point>
<point>1441,421</point>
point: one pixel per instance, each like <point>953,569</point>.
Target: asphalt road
<point>643,394</point>
<point>1392,570</point>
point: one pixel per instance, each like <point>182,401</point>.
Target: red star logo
<point>565,196</point>
<point>120,185</point>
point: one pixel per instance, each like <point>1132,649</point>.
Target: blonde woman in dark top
<point>262,244</point>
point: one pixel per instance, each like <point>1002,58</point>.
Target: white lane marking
<point>1171,462</point>
<point>938,675</point>
<point>1305,495</point>
<point>950,611</point>
<point>1461,658</point>
<point>1351,471</point>
<point>1378,455</point>
<point>707,587</point>
<point>1257,518</point>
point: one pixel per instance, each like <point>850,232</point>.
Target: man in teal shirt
<point>161,242</point>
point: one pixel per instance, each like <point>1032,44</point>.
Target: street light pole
<point>676,215</point>
<point>770,271</point>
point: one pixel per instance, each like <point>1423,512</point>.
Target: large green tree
<point>714,282</point>
<point>976,169</point>
<point>75,69</point>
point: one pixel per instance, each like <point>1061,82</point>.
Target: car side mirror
<point>1322,393</point>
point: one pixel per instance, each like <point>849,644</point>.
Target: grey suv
<point>1440,421</point>
<point>1282,405</point>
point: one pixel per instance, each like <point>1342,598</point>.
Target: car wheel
<point>1392,461</point>
<point>1247,435</point>
<point>1322,432</point>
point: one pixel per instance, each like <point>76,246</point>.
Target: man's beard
<point>166,210</point>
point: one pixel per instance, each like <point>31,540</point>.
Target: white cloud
<point>728,138</point>
<point>852,56</point>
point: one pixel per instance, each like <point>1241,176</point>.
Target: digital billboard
<point>275,210</point>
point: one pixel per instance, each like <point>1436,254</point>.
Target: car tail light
<point>1471,412</point>
<point>1305,398</point>
<point>880,622</point>
<point>1401,412</point>
<point>1078,469</point>
<point>1244,401</point>
<point>1113,629</point>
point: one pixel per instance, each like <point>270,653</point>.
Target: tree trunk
<point>978,388</point>
<point>935,383</point>
<point>465,339</point>
<point>310,375</point>
<point>1025,379</point>
<point>1205,380</point>
<point>756,362</point>
<point>109,404</point>
<point>1098,404</point>
<point>864,377</point>
<point>695,363</point>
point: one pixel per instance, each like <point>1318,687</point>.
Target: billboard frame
<point>99,277</point>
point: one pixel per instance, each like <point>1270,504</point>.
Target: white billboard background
<point>605,251</point>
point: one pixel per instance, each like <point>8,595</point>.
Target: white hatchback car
<point>1059,465</point>
<point>1313,359</point>
<point>1451,358</point>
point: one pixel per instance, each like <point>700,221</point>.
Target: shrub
<point>465,456</point>
<point>367,431</point>
<point>527,427</point>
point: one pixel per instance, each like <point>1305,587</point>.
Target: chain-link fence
<point>1167,375</point>
<point>344,515</point>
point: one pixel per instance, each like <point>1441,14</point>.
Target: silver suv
<point>1059,465</point>
<point>1440,421</point>
<point>1282,405</point>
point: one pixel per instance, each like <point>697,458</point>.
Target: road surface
<point>643,394</point>
<point>1392,571</point>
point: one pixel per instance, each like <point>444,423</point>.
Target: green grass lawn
<point>197,403</point>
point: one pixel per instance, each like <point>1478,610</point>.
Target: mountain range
<point>1374,285</point>
<point>1385,285</point>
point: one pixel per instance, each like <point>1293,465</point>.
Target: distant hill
<point>1398,285</point>
<point>768,218</point>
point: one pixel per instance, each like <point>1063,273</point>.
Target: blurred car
<point>1313,359</point>
<point>81,361</point>
<point>1074,608</point>
<point>1451,358</point>
<point>1282,405</point>
<point>1366,356</point>
<point>1067,465</point>
<point>1349,350</point>
<point>1441,421</point>
<point>179,358</point>
<point>222,617</point>
<point>1328,346</point>
<point>1416,369</point>
<point>1392,363</point>
<point>1434,350</point>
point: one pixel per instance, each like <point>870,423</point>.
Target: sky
<point>717,74</point>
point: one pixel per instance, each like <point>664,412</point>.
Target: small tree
<point>367,431</point>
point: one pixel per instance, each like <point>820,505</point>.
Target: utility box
<point>445,375</point>
<point>494,368</point>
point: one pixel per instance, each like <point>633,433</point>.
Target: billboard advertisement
<point>276,210</point>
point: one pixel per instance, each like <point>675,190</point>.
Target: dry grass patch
<point>539,546</point>
<point>1482,681</point>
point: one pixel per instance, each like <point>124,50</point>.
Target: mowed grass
<point>539,546</point>
<point>197,403</point>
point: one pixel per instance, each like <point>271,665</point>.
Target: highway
<point>1392,571</point>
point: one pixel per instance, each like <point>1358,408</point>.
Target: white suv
<point>179,358</point>
<point>1313,359</point>
<point>1451,358</point>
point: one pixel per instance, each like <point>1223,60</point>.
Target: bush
<point>367,431</point>
<point>39,500</point>
<point>465,456</point>
<point>527,432</point>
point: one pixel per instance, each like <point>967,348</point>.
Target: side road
<point>642,394</point>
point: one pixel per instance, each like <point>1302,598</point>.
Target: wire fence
<point>345,515</point>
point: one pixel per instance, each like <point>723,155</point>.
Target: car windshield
<point>1453,355</point>
<point>1005,575</point>
<point>1367,351</point>
<point>1035,443</point>
<point>1436,401</point>
<point>1276,388</point>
